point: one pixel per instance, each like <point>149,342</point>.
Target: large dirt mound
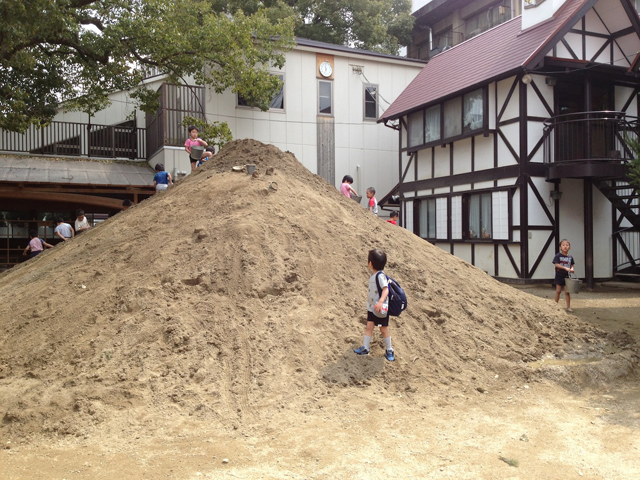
<point>227,299</point>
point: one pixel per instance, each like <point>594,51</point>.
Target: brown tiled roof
<point>498,52</point>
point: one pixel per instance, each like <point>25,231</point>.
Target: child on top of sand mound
<point>377,305</point>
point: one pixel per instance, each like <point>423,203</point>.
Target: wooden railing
<point>78,139</point>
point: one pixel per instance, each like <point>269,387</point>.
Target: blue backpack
<point>397,297</point>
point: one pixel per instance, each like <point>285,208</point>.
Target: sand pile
<point>226,300</point>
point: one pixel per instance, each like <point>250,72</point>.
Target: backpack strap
<point>378,283</point>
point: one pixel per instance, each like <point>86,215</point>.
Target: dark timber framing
<point>515,164</point>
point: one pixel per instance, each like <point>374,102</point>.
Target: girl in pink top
<point>194,141</point>
<point>35,244</point>
<point>346,188</point>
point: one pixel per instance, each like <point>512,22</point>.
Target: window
<point>489,17</point>
<point>428,218</point>
<point>432,124</point>
<point>444,39</point>
<point>371,102</point>
<point>415,128</point>
<point>472,117</point>
<point>277,102</point>
<point>453,117</point>
<point>325,97</point>
<point>458,117</point>
<point>480,216</point>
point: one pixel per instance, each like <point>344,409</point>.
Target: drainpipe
<point>588,232</point>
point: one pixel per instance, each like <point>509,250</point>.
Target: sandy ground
<point>208,333</point>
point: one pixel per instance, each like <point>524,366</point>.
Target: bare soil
<point>209,333</point>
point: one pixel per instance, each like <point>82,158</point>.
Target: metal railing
<point>589,136</point>
<point>78,139</point>
<point>627,249</point>
<point>177,102</point>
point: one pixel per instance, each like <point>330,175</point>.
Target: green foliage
<point>378,25</point>
<point>75,52</point>
<point>216,133</point>
<point>634,164</point>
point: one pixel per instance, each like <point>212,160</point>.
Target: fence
<point>593,136</point>
<point>177,102</point>
<point>78,139</point>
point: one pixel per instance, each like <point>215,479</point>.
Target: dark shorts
<point>560,280</point>
<point>377,321</point>
<point>35,254</point>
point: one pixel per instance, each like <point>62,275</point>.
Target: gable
<point>597,31</point>
<point>605,34</point>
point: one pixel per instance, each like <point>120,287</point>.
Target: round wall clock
<point>326,69</point>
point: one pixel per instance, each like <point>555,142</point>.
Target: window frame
<point>364,102</point>
<point>330,114</point>
<point>463,214</point>
<point>444,139</point>
<point>271,109</point>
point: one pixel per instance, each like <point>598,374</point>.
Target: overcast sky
<point>419,3</point>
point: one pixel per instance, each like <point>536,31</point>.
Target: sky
<point>419,4</point>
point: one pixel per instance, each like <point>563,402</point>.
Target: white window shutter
<point>441,218</point>
<point>456,217</point>
<point>408,217</point>
<point>500,206</point>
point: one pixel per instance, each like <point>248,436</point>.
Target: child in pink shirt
<point>36,245</point>
<point>194,141</point>
<point>345,188</point>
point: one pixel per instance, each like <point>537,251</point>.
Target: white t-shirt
<point>81,224</point>
<point>374,296</point>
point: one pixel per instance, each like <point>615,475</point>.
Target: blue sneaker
<point>362,351</point>
<point>389,355</point>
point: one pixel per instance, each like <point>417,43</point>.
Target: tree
<point>75,52</point>
<point>378,25</point>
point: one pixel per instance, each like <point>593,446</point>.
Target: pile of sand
<point>229,298</point>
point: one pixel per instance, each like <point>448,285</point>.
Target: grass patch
<point>512,462</point>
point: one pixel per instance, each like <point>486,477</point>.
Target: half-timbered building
<point>518,137</point>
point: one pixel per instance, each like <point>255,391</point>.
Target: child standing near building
<point>564,266</point>
<point>393,217</point>
<point>345,188</point>
<point>192,141</point>
<point>373,203</point>
<point>162,179</point>
<point>377,305</point>
<point>36,245</point>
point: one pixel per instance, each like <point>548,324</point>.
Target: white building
<point>515,139</point>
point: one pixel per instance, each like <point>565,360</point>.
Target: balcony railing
<point>589,136</point>
<point>588,144</point>
<point>78,139</point>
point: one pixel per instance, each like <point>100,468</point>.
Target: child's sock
<point>387,343</point>
<point>367,342</point>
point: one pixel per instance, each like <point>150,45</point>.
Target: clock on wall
<point>326,69</point>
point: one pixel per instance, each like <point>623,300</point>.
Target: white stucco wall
<point>364,149</point>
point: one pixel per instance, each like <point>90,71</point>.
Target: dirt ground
<point>208,333</point>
